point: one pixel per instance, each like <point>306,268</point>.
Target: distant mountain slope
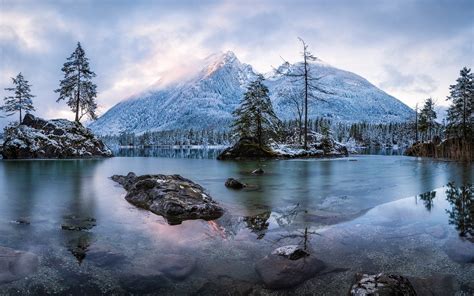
<point>351,99</point>
<point>206,99</point>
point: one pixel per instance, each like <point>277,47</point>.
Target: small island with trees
<point>34,137</point>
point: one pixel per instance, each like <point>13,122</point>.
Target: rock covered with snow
<point>319,146</point>
<point>171,196</point>
<point>57,138</point>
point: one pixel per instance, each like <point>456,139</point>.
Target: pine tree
<point>77,86</point>
<point>461,112</point>
<point>21,99</point>
<point>255,116</point>
<point>303,74</point>
<point>427,117</point>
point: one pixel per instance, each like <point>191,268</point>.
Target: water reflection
<point>169,152</point>
<point>259,223</point>
<point>427,199</point>
<point>462,212</point>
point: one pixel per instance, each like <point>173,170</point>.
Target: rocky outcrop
<point>247,148</point>
<point>15,265</point>
<point>287,267</point>
<point>452,148</point>
<point>319,146</point>
<point>381,284</point>
<point>58,138</point>
<point>171,196</point>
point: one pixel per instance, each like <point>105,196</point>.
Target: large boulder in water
<point>171,196</point>
<point>57,138</point>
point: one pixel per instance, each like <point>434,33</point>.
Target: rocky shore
<point>319,147</point>
<point>57,138</point>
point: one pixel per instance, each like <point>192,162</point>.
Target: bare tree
<point>295,97</point>
<point>303,72</point>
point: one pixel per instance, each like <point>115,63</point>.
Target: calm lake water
<point>363,213</point>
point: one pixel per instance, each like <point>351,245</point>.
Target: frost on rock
<point>58,138</point>
<point>318,146</point>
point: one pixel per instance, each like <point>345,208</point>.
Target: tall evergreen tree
<point>77,86</point>
<point>461,112</point>
<point>427,117</point>
<point>21,100</point>
<point>303,72</point>
<point>255,116</point>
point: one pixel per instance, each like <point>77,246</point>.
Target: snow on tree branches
<point>77,87</point>
<point>427,118</point>
<point>461,112</point>
<point>255,116</point>
<point>21,100</point>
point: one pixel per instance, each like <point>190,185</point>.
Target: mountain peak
<point>219,60</point>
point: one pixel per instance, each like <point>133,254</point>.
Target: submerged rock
<point>15,265</point>
<point>258,171</point>
<point>381,284</point>
<point>74,223</point>
<point>234,184</point>
<point>460,250</point>
<point>58,138</point>
<point>171,196</point>
<point>177,267</point>
<point>287,267</point>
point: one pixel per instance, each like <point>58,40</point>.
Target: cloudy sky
<point>411,49</point>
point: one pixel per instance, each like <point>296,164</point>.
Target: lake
<point>366,213</point>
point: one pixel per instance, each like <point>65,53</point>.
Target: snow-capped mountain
<point>206,99</point>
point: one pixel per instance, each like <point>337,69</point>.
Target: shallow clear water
<point>361,214</point>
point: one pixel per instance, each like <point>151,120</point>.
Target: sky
<point>411,49</point>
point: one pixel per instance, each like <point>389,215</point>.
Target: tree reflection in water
<point>462,212</point>
<point>427,199</point>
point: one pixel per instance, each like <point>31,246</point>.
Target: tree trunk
<point>78,92</point>
<point>305,102</point>
<point>416,123</point>
<point>464,130</point>
<point>19,100</point>
<point>259,131</point>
